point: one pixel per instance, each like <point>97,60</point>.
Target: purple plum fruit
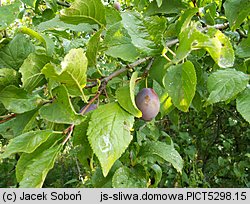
<point>148,103</point>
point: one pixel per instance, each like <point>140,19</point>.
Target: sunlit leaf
<point>180,82</point>
<point>109,133</point>
<point>61,109</point>
<point>84,11</point>
<point>225,84</point>
<point>126,97</point>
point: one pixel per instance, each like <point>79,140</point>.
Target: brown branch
<point>70,129</point>
<point>145,73</point>
<point>69,132</point>
<point>119,71</point>
<point>5,118</point>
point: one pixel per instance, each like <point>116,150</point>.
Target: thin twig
<point>119,71</point>
<point>5,118</point>
<point>65,4</point>
<point>70,129</point>
<point>145,73</point>
<point>69,133</point>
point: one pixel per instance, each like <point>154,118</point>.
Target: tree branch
<point>119,71</point>
<point>145,73</point>
<point>5,118</point>
<point>62,3</point>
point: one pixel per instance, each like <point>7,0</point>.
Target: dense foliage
<point>70,112</point>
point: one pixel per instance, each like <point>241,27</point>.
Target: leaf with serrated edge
<point>236,12</point>
<point>126,97</point>
<point>26,142</point>
<point>84,11</point>
<point>36,172</point>
<point>18,100</point>
<point>225,84</point>
<point>8,14</point>
<point>180,82</point>
<point>214,41</point>
<point>125,177</point>
<point>61,110</point>
<point>14,53</point>
<point>109,133</point>
<point>166,152</point>
<point>142,32</point>
<point>242,104</point>
<point>72,72</point>
<point>20,124</point>
<point>119,43</point>
<point>26,159</point>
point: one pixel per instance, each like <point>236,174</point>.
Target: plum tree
<point>148,103</point>
<point>117,5</point>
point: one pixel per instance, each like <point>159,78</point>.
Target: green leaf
<point>31,71</point>
<point>225,84</point>
<point>36,172</point>
<point>72,72</point>
<point>242,104</point>
<point>125,177</point>
<point>210,13</point>
<point>2,111</point>
<point>26,142</point>
<point>166,152</point>
<point>214,41</point>
<point>8,77</point>
<point>243,49</point>
<point>236,12</point>
<point>93,47</point>
<point>84,11</point>
<point>221,49</point>
<point>17,100</point>
<point>109,133</point>
<point>31,3</point>
<point>126,97</point>
<point>27,159</point>
<point>80,140</point>
<point>158,174</point>
<point>180,82</point>
<point>61,109</point>
<point>20,124</point>
<point>146,33</point>
<point>159,3</point>
<point>112,16</point>
<point>99,181</point>
<point>119,43</point>
<point>14,53</point>
<point>47,42</point>
<point>158,70</point>
<point>57,24</point>
<point>185,19</point>
<point>166,104</point>
<point>8,14</point>
<point>167,7</point>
